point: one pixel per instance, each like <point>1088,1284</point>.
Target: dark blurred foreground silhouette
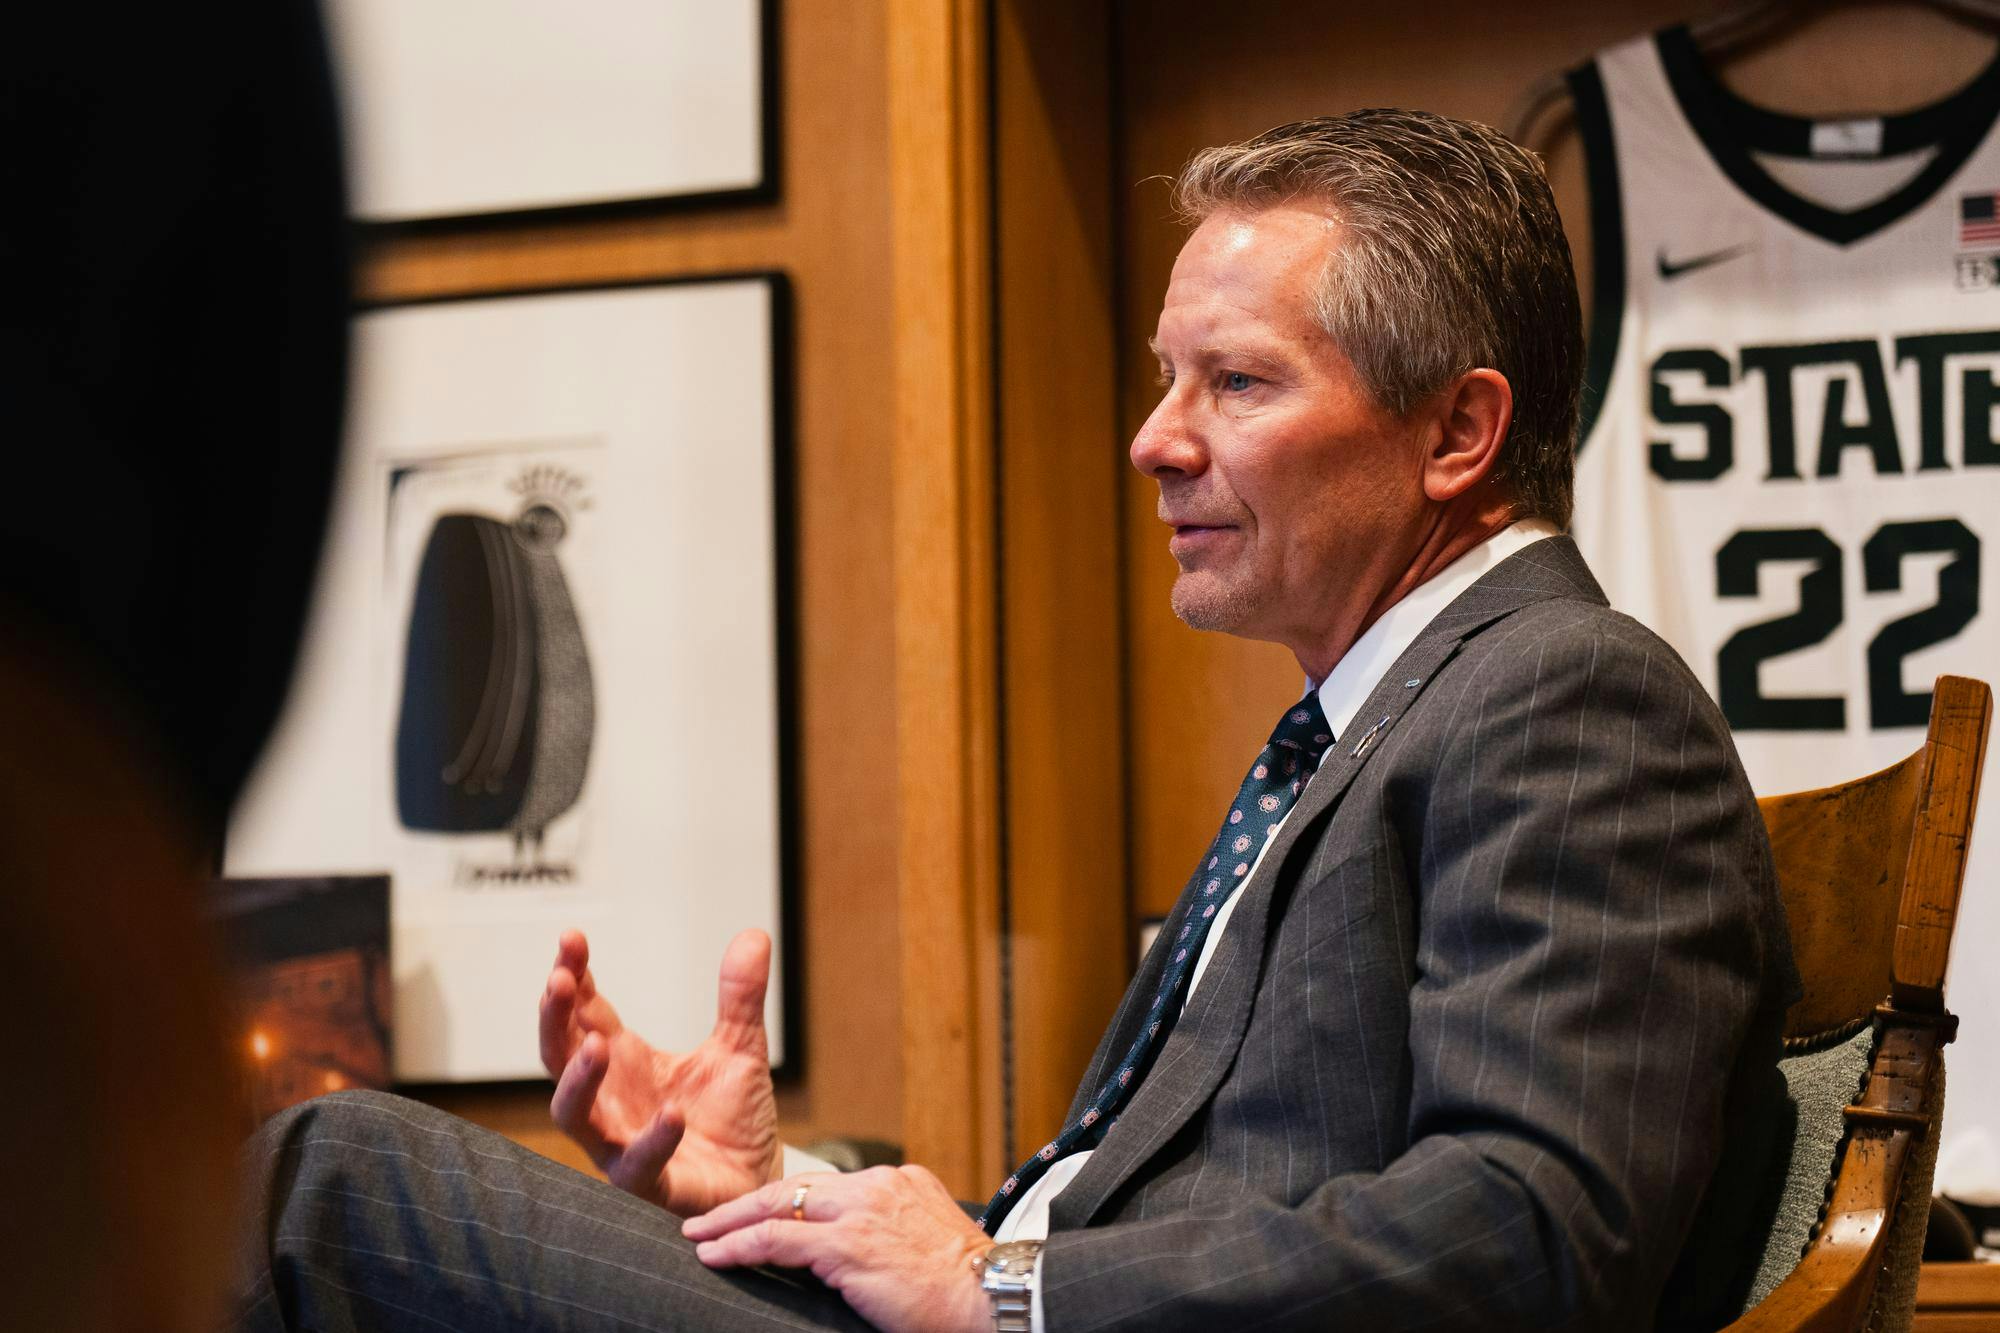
<point>172,365</point>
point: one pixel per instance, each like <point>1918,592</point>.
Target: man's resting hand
<point>687,1132</point>
<point>889,1240</point>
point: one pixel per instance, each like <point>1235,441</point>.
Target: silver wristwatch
<point>1007,1281</point>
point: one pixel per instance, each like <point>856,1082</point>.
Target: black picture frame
<point>767,190</point>
<point>784,406</point>
<point>778,291</point>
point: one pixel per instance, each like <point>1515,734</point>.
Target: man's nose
<point>1165,446</point>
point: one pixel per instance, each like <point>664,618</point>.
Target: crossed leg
<point>373,1212</point>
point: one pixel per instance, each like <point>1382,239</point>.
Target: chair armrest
<point>1830,1290</point>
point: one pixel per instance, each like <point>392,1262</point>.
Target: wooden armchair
<point>1870,872</point>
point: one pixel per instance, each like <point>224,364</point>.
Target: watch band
<point>1008,1279</point>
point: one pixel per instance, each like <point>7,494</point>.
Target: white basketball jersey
<point>1790,466</point>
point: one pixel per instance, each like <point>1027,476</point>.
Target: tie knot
<point>1304,728</point>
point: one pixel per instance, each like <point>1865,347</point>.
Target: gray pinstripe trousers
<point>382,1213</point>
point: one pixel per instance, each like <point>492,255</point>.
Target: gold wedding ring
<point>799,1203</point>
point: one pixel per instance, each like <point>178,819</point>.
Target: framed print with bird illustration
<point>544,681</point>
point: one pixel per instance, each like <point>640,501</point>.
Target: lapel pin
<point>1413,682</point>
<point>1362,744</point>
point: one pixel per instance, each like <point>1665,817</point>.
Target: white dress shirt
<point>1341,695</point>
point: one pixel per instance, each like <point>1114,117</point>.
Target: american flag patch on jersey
<point>1979,218</point>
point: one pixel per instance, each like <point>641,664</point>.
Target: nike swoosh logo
<point>1669,270</point>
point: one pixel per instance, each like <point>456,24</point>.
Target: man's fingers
<point>573,952</point>
<point>746,972</point>
<point>573,956</point>
<point>637,1170</point>
<point>592,1010</point>
<point>739,1211</point>
<point>558,1013</point>
<point>576,1093</point>
<point>786,1243</point>
<point>772,1201</point>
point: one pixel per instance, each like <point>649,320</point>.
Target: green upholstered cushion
<point>1820,1083</point>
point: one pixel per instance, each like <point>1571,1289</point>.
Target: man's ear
<point>1472,416</point>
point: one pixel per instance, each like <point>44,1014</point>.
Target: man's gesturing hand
<point>684,1131</point>
<point>889,1240</point>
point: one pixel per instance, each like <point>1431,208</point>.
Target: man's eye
<point>1235,381</point>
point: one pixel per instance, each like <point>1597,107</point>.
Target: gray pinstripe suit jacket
<point>1466,1058</point>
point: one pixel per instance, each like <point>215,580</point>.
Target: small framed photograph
<point>506,108</point>
<point>309,963</point>
<point>544,680</point>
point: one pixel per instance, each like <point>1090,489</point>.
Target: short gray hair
<point>1453,258</point>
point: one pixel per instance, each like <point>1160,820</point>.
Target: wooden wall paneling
<point>829,229</point>
<point>1061,464</point>
<point>1958,1298</point>
<point>941,444</point>
<point>1188,82</point>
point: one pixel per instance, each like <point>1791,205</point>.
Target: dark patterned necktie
<point>1268,792</point>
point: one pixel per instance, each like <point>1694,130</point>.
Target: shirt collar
<point>1360,669</point>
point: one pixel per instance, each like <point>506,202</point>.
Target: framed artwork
<point>503,108</point>
<point>309,963</point>
<point>543,683</point>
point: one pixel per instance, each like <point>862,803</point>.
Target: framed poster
<point>542,684</point>
<point>458,108</point>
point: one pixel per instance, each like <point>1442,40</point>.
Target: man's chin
<point>1203,603</point>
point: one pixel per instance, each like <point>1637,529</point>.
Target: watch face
<point>1016,1258</point>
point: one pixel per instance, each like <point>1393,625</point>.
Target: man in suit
<point>1446,1029</point>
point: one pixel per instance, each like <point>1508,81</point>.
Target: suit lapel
<point>1202,1046</point>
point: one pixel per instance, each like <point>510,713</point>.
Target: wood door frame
<point>945,614</point>
<point>1009,628</point>
<point>1061,469</point>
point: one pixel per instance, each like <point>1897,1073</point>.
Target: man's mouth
<point>1190,537</point>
